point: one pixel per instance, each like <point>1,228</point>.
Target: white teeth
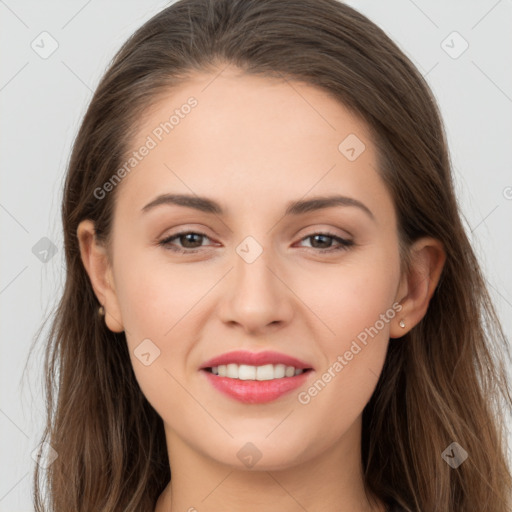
<point>232,371</point>
<point>279,371</point>
<point>265,372</point>
<point>247,372</point>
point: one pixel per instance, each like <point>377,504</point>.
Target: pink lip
<point>255,391</point>
<point>255,359</point>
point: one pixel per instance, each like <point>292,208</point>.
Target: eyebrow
<point>298,207</point>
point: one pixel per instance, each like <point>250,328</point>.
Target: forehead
<point>252,138</point>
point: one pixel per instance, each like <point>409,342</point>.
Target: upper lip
<point>255,359</point>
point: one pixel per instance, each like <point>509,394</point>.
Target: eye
<point>190,239</point>
<point>325,242</point>
<point>191,242</point>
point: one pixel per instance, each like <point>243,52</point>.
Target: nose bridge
<point>256,297</point>
<point>252,267</point>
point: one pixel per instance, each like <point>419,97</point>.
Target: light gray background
<point>42,102</point>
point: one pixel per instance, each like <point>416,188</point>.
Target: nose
<point>256,296</point>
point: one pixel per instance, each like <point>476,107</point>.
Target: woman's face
<point>266,269</point>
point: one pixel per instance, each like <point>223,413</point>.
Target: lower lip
<point>256,391</point>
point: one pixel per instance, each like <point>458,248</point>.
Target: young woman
<point>270,302</point>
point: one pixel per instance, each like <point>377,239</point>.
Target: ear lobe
<point>427,262</point>
<point>95,260</point>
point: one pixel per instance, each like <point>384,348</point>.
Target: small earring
<point>402,324</point>
<point>101,311</point>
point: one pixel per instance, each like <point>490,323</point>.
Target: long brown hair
<point>443,382</point>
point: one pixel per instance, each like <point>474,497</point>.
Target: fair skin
<point>254,144</point>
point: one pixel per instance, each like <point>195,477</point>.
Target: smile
<point>248,372</point>
<point>255,384</point>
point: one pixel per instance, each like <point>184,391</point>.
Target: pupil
<point>325,237</point>
<point>187,238</point>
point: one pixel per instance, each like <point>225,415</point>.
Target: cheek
<point>357,307</point>
<point>160,302</point>
<point>156,305</point>
<point>155,295</point>
<point>354,295</point>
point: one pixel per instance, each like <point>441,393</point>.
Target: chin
<point>260,454</point>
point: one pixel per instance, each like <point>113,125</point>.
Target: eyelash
<point>344,244</point>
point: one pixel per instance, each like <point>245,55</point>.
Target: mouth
<point>255,373</point>
<point>255,377</point>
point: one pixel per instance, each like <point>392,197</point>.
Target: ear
<point>96,263</point>
<point>427,258</point>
